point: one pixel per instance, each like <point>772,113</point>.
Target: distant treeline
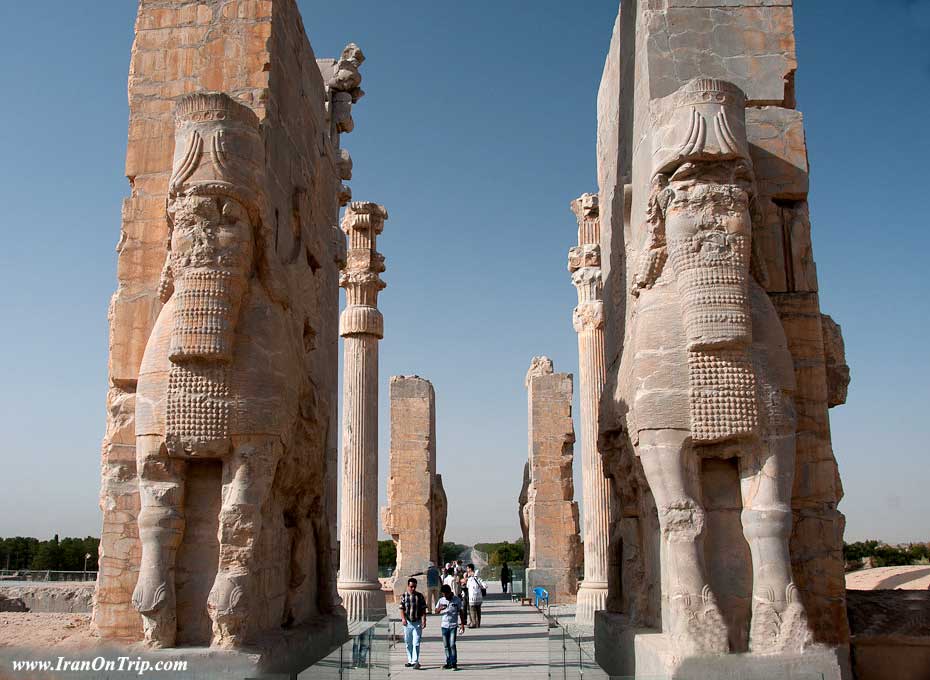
<point>387,553</point>
<point>505,551</point>
<point>451,551</point>
<point>66,554</point>
<point>884,555</point>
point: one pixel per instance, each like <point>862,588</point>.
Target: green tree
<point>16,553</point>
<point>48,556</point>
<point>387,554</point>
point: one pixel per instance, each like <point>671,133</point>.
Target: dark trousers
<point>504,585</point>
<point>475,615</point>
<point>448,641</point>
<point>463,614</point>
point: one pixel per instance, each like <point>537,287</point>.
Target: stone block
<point>415,515</point>
<point>779,151</point>
<point>748,44</point>
<point>656,657</point>
<point>550,511</point>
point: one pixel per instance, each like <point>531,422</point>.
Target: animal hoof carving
<point>699,630</point>
<point>150,594</point>
<point>794,634</point>
<point>225,597</point>
<point>766,622</point>
<point>778,626</point>
<point>227,608</point>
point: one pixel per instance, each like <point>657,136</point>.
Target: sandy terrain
<point>915,577</point>
<point>44,631</point>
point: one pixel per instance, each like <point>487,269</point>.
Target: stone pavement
<point>511,643</point>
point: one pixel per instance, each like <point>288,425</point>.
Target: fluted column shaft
<point>588,320</point>
<point>362,326</point>
<point>358,558</point>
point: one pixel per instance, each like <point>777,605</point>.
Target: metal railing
<point>365,656</point>
<point>45,575</point>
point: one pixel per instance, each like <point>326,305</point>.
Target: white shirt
<point>449,581</point>
<point>475,584</point>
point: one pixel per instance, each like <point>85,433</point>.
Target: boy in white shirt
<point>449,606</point>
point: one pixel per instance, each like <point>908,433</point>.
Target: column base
<point>592,597</point>
<point>622,649</point>
<point>363,601</point>
<point>561,583</point>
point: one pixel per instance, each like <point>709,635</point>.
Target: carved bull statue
<point>706,371</point>
<point>218,378</point>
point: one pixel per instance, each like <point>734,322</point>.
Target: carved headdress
<point>705,120</point>
<point>218,150</point>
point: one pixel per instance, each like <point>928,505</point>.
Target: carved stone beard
<point>209,279</point>
<point>712,272</point>
<point>206,309</point>
<point>711,267</point>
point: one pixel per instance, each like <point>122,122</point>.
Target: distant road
<point>476,557</point>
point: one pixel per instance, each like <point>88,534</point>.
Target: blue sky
<point>477,130</point>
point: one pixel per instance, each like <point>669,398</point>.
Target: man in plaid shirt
<point>413,618</point>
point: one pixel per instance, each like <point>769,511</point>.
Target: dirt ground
<point>915,577</point>
<point>44,631</point>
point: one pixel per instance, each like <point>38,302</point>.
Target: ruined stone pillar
<point>416,509</point>
<point>584,262</point>
<point>552,514</point>
<point>362,326</point>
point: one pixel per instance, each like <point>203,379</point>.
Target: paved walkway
<point>511,644</point>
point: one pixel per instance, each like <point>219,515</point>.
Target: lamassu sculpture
<point>706,374</point>
<point>222,405</point>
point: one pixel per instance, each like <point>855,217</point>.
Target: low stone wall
<point>890,633</point>
<point>53,598</point>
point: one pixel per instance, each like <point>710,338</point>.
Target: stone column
<point>362,326</point>
<point>584,262</point>
<point>551,512</point>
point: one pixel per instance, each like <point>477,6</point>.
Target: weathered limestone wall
<point>890,633</point>
<point>52,597</point>
<point>257,52</point>
<point>552,514</point>
<point>656,48</point>
<point>415,513</point>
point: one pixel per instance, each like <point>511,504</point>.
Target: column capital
<point>364,217</point>
<point>363,221</point>
<point>586,255</point>
<point>588,316</point>
<point>587,213</point>
<point>585,207</point>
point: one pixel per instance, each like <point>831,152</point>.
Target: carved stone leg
<point>673,472</point>
<point>161,527</point>
<point>247,477</point>
<point>779,623</point>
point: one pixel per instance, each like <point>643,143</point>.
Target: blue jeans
<point>412,635</point>
<point>448,641</point>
